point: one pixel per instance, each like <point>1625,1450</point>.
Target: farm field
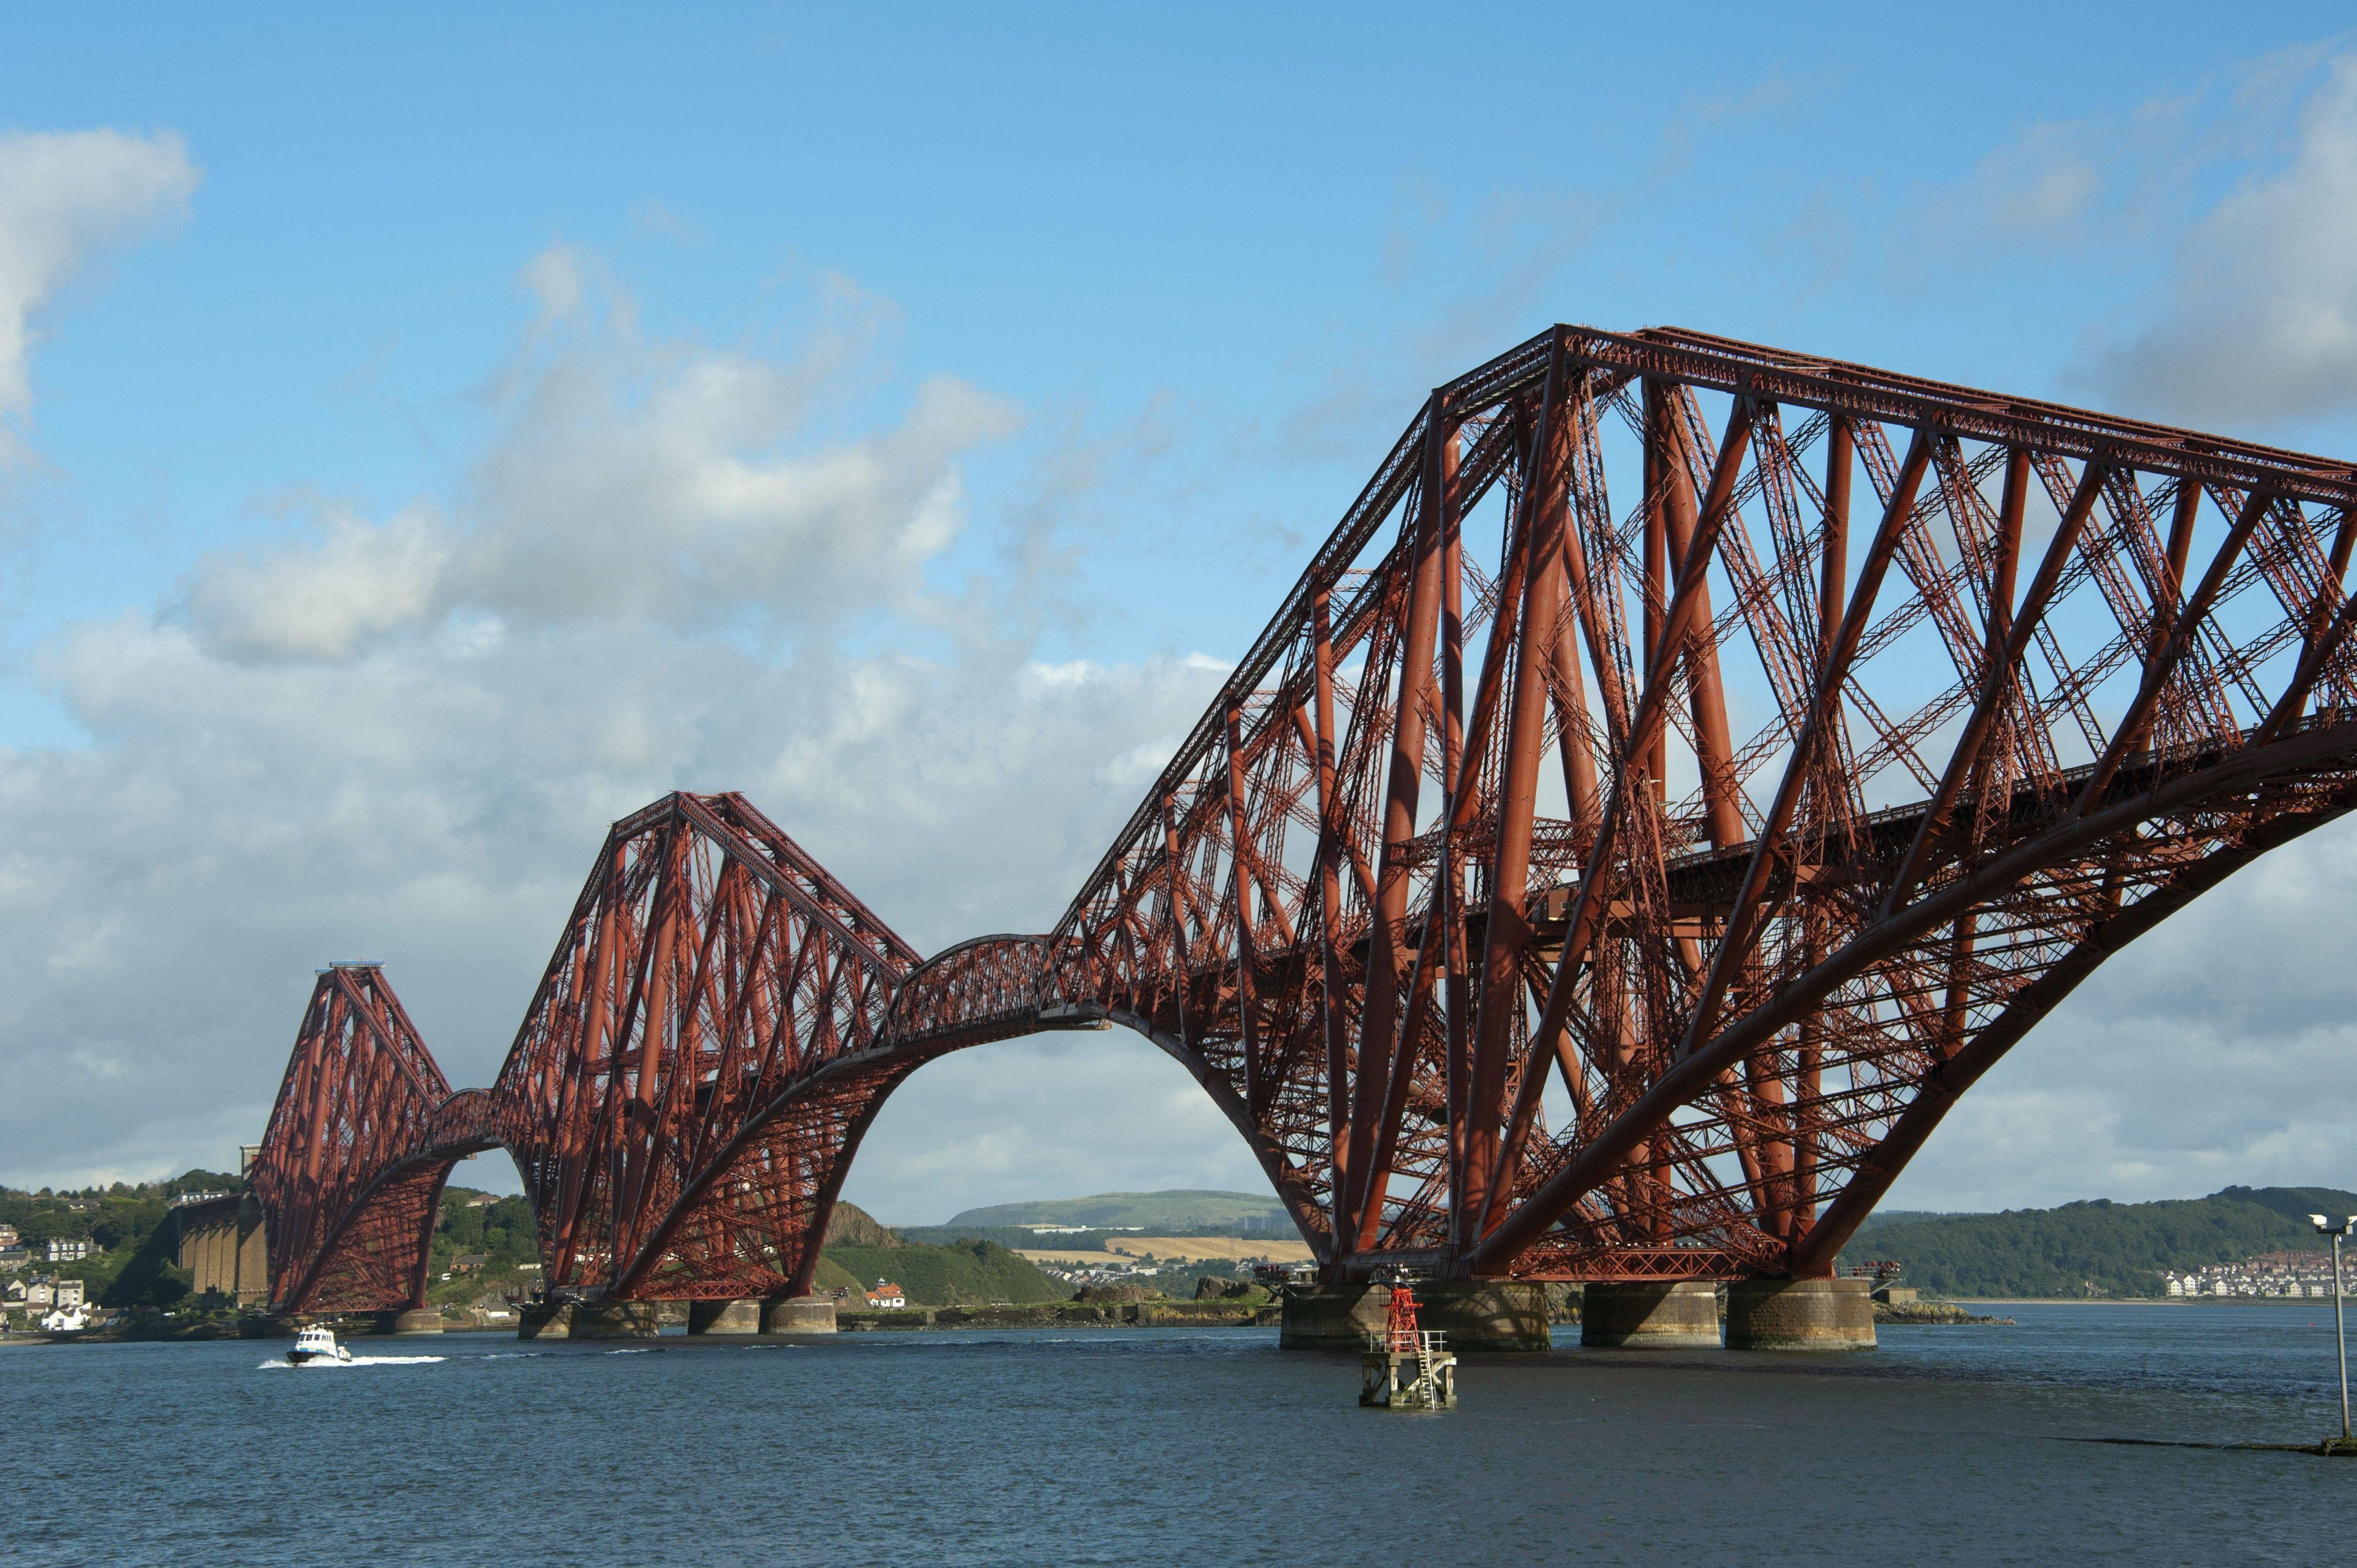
<point>1193,1249</point>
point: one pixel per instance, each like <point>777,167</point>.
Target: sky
<point>428,436</point>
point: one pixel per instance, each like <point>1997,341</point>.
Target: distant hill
<point>1881,1217</point>
<point>859,1251</point>
<point>854,1225</point>
<point>1161,1212</point>
<point>963,1273</point>
<point>2097,1247</point>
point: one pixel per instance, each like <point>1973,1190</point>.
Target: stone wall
<point>223,1244</point>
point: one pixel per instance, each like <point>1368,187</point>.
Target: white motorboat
<point>317,1343</point>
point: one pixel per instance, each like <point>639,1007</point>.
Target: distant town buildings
<point>69,1249</point>
<point>7,1235</point>
<point>44,1293</point>
<point>2268,1274</point>
<point>886,1293</point>
<point>66,1320</point>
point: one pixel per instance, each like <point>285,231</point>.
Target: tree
<point>149,1278</point>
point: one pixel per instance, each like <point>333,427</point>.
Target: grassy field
<point>1193,1249</point>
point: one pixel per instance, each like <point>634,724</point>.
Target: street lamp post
<point>2340,1328</point>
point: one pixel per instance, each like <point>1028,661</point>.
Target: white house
<point>886,1293</point>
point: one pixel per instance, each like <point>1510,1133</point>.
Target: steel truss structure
<point>1686,769</point>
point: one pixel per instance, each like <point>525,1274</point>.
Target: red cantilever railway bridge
<point>1686,769</point>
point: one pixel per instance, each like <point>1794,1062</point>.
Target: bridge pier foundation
<point>1476,1315</point>
<point>615,1320</point>
<point>544,1320</point>
<point>798,1314</point>
<point>415,1320</point>
<point>742,1316</point>
<point>1650,1315</point>
<point>1799,1315</point>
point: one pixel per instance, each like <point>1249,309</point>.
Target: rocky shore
<point>1928,1312</point>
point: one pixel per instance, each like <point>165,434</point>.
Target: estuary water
<point>1206,1446</point>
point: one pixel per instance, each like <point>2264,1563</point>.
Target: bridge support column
<point>1331,1317</point>
<point>615,1320</point>
<point>1485,1314</point>
<point>742,1316</point>
<point>544,1320</point>
<point>798,1314</point>
<point>1476,1315</point>
<point>1799,1315</point>
<point>1650,1315</point>
<point>415,1320</point>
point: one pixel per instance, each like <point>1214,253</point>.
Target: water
<point>1135,1447</point>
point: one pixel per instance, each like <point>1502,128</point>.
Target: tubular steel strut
<point>1566,885</point>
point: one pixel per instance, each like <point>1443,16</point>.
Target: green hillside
<point>130,1225</point>
<point>963,1273</point>
<point>1163,1212</point>
<point>2097,1247</point>
<point>966,1272</point>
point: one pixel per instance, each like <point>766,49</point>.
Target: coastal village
<point>46,1299</point>
<point>2286,1274</point>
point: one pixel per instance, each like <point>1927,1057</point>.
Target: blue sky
<point>1044,343</point>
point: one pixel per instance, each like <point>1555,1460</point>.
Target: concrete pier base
<point>1331,1317</point>
<point>615,1320</point>
<point>544,1320</point>
<point>1485,1314</point>
<point>1649,1317</point>
<point>1799,1315</point>
<point>798,1314</point>
<point>1475,1314</point>
<point>416,1320</point>
<point>742,1316</point>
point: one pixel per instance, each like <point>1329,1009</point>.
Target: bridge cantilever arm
<point>1644,719</point>
<point>2311,664</point>
<point>1815,1253</point>
<point>1693,1075</point>
<point>1824,711</point>
<point>1998,681</point>
<point>2129,733</point>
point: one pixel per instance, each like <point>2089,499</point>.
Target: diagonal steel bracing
<point>1687,768</point>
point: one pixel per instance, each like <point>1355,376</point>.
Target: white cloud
<point>1103,1112</point>
<point>2259,321</point>
<point>631,482</point>
<point>324,599</point>
<point>404,739</point>
<point>65,197</point>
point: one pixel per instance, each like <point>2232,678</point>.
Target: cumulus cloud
<point>403,738</point>
<point>65,197</point>
<point>2259,319</point>
<point>629,482</point>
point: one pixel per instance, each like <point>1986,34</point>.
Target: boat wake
<point>324,1365</point>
